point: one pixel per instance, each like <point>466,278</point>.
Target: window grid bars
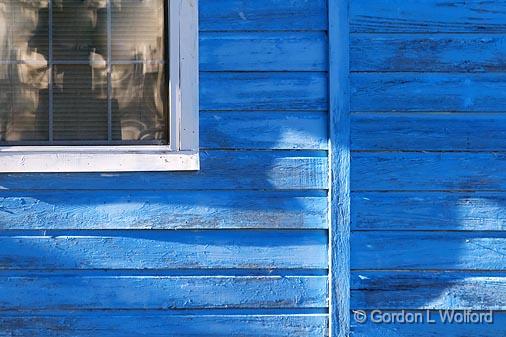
<point>51,64</point>
<point>171,116</point>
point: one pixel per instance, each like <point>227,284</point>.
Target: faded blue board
<point>164,250</point>
<point>429,250</point>
<point>428,171</point>
<point>104,292</point>
<point>263,91</point>
<point>428,92</point>
<point>107,209</point>
<point>428,290</point>
<point>267,51</point>
<point>407,16</point>
<point>428,52</point>
<point>281,130</point>
<point>429,131</point>
<point>158,324</point>
<point>259,15</point>
<point>429,211</point>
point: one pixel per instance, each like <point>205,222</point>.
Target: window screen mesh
<point>83,72</point>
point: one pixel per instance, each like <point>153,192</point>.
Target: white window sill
<point>19,159</point>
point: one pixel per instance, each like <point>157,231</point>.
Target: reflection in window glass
<point>73,91</point>
<point>23,71</point>
<point>83,72</point>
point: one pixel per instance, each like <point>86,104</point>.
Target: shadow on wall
<point>61,235</point>
<point>428,250</point>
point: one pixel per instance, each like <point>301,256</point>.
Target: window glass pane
<point>83,71</point>
<point>80,104</point>
<point>79,28</point>
<point>137,30</point>
<point>137,77</point>
<point>23,71</point>
<point>139,100</point>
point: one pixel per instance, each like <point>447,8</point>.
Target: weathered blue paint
<point>239,248</point>
<point>429,330</point>
<point>160,324</point>
<point>388,141</point>
<point>339,167</point>
<point>428,166</point>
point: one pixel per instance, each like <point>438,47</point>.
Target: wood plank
<point>428,290</point>
<point>86,210</point>
<point>340,160</point>
<point>264,130</point>
<point>69,292</point>
<point>398,171</point>
<point>434,251</point>
<point>462,211</point>
<point>375,92</point>
<point>165,250</point>
<point>429,53</point>
<point>433,16</point>
<point>262,15</point>
<point>263,51</point>
<point>439,328</point>
<point>115,324</point>
<point>263,91</point>
<point>429,131</point>
<point>220,170</point>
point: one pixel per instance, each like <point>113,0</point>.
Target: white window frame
<point>182,152</point>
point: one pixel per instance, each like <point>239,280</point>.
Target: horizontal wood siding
<point>427,173</point>
<point>156,324</point>
<point>239,248</point>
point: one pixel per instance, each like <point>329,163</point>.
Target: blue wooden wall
<point>237,249</point>
<point>241,247</point>
<point>428,169</point>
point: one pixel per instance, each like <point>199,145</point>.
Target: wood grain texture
<point>439,328</point>
<point>113,324</point>
<point>263,91</point>
<point>69,292</point>
<point>144,250</point>
<point>339,155</point>
<point>427,92</point>
<point>462,211</point>
<point>262,15</point>
<point>428,52</point>
<point>428,290</point>
<point>388,171</point>
<point>434,251</point>
<point>220,170</point>
<point>428,16</point>
<point>92,254</point>
<point>105,209</point>
<point>301,130</point>
<point>263,51</point>
<point>375,92</point>
<point>429,131</point>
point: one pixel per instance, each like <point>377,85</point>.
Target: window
<point>98,85</point>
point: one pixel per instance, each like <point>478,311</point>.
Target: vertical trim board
<point>339,168</point>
